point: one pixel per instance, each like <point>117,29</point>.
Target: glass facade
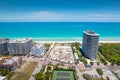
<point>90,44</point>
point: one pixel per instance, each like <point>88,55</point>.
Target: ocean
<point>65,31</point>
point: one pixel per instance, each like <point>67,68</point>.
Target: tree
<point>87,76</point>
<point>98,63</point>
<point>91,63</point>
<point>85,61</point>
<point>112,64</point>
<point>105,63</point>
<point>111,52</point>
<point>10,74</point>
<point>47,76</point>
<point>76,62</point>
<point>38,76</point>
<point>5,72</point>
<point>100,72</point>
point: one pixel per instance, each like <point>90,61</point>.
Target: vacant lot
<point>25,71</point>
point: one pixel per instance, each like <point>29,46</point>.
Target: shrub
<point>47,75</point>
<point>91,63</point>
<point>87,77</point>
<point>38,76</point>
<point>98,63</point>
<point>85,61</point>
<point>5,72</point>
<point>100,72</point>
<point>10,74</point>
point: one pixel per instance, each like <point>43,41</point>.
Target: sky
<point>59,10</point>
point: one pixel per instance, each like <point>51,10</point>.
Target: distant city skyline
<point>59,11</point>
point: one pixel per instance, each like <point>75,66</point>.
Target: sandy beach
<point>74,41</point>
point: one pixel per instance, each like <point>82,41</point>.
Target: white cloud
<point>104,15</point>
<point>44,13</point>
<point>49,16</point>
<point>42,16</point>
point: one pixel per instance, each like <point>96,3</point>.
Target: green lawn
<point>25,71</point>
<point>70,76</point>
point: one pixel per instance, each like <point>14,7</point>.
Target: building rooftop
<point>39,45</point>
<point>37,49</point>
<point>24,40</point>
<point>90,32</point>
<point>10,60</point>
<point>3,78</point>
<point>3,40</point>
<point>76,56</point>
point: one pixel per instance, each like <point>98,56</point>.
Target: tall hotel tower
<point>90,44</point>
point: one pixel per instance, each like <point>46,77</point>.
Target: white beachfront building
<point>3,78</point>
<point>37,50</point>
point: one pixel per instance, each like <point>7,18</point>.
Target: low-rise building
<point>10,63</point>
<point>37,50</point>
<point>76,57</point>
<point>3,45</point>
<point>20,46</point>
<point>3,78</point>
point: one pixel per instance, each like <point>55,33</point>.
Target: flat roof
<point>63,75</point>
<point>11,60</point>
<point>2,77</point>
<point>76,56</point>
<point>24,40</point>
<point>3,40</point>
<point>90,32</point>
<point>39,45</point>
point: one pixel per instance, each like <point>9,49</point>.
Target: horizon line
<point>57,21</point>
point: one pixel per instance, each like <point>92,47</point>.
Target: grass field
<point>70,76</point>
<point>25,71</point>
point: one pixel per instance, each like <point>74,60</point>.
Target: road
<point>104,58</point>
<point>77,67</point>
<point>37,69</point>
<point>40,61</point>
<point>45,60</point>
<point>48,52</point>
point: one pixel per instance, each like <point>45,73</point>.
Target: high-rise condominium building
<point>20,46</point>
<point>90,44</point>
<point>3,45</point>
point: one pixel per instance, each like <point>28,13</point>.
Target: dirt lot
<point>25,71</point>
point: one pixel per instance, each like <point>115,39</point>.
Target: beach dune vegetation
<point>111,52</point>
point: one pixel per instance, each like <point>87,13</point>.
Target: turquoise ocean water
<point>59,30</point>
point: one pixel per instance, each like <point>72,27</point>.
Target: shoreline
<point>74,41</point>
<point>69,39</point>
<point>65,38</point>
